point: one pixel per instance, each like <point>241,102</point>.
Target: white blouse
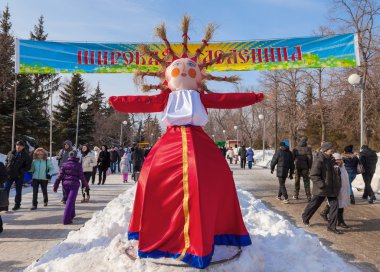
<point>184,108</point>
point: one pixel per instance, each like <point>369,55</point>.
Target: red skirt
<point>186,200</point>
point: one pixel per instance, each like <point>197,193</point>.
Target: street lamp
<point>237,135</point>
<point>82,106</point>
<point>261,117</point>
<point>121,131</point>
<point>224,133</point>
<point>355,80</point>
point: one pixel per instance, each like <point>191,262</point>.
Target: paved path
<point>28,234</point>
<point>358,245</point>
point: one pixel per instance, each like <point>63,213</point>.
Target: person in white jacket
<point>95,168</point>
<point>124,167</point>
<point>88,163</point>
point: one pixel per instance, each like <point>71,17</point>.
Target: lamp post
<point>224,133</point>
<point>237,135</point>
<point>121,131</point>
<point>261,117</point>
<point>355,80</point>
<point>82,106</point>
<point>51,125</point>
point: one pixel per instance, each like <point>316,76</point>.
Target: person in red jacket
<point>186,200</point>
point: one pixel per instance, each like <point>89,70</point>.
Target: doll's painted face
<point>183,74</point>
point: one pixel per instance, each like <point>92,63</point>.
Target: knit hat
<point>22,143</point>
<point>348,148</point>
<point>73,154</point>
<point>337,156</point>
<point>283,144</point>
<point>326,146</point>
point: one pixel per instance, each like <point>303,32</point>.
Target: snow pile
<point>2,158</point>
<point>277,245</point>
<point>358,183</point>
<point>258,157</point>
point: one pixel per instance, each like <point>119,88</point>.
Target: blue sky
<point>133,21</point>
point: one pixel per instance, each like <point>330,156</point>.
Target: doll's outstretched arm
<point>139,103</point>
<point>230,100</point>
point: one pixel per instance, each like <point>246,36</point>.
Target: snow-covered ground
<point>277,245</point>
<point>358,183</point>
<point>2,158</point>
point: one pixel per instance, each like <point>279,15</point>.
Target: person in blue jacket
<point>249,153</point>
<point>42,170</point>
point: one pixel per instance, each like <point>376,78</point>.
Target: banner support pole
<point>17,69</point>
<point>14,113</point>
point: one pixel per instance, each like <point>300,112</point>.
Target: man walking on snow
<point>303,159</point>
<point>17,163</point>
<point>325,175</point>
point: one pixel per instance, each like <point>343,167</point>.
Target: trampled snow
<point>277,245</point>
<point>263,161</point>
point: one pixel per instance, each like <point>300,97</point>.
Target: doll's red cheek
<point>175,72</point>
<point>192,73</point>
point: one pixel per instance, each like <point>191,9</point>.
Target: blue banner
<point>81,57</point>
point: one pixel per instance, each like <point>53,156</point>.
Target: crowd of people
<point>242,154</point>
<point>78,168</point>
<point>332,175</point>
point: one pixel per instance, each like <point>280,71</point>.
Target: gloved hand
<point>290,176</point>
<point>55,189</point>
<point>271,171</point>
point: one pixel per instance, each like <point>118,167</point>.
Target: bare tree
<point>360,16</point>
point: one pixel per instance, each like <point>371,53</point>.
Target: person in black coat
<point>17,163</point>
<point>103,164</point>
<point>303,159</point>
<point>351,162</point>
<point>368,158</point>
<point>325,175</point>
<point>3,178</point>
<point>137,161</point>
<point>283,158</point>
<point>243,156</point>
<point>114,158</point>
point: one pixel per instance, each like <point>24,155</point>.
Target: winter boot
<point>341,222</point>
<point>325,212</point>
<point>33,208</point>
<point>285,201</point>
<point>295,197</point>
<point>352,199</point>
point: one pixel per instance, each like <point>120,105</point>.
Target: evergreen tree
<point>6,54</point>
<point>44,85</point>
<point>65,114</point>
<point>7,79</point>
<point>97,101</point>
